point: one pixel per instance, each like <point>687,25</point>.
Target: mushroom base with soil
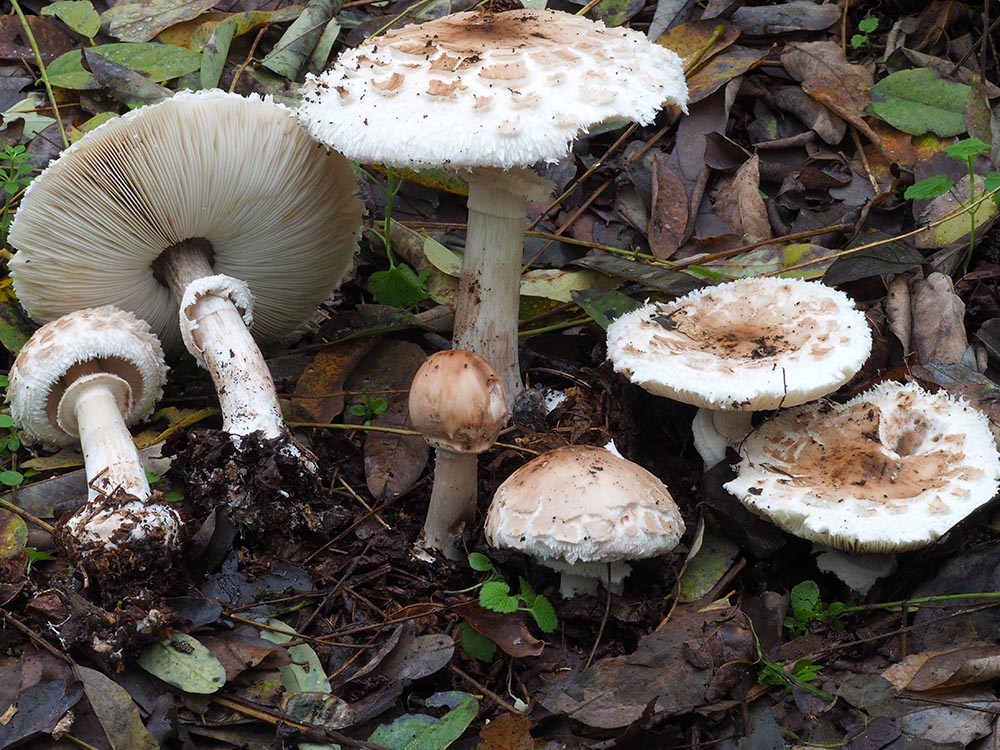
<point>262,489</point>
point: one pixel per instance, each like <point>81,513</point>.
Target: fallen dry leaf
<point>938,320</point>
<point>929,670</point>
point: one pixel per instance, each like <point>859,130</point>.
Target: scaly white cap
<point>121,344</point>
<point>583,504</point>
<point>486,89</point>
<point>892,469</point>
<point>745,345</point>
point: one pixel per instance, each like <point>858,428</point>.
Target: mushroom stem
<point>216,333</point>
<point>453,501</point>
<point>95,401</point>
<point>486,311</point>
<point>716,430</point>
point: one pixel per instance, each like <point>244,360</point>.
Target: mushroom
<point>890,470</point>
<point>583,511</point>
<point>488,94</point>
<point>742,346</point>
<point>208,208</point>
<point>84,379</point>
<point>457,403</point>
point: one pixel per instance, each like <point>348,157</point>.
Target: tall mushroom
<point>210,209</point>
<point>742,346</point>
<point>457,403</point>
<point>489,94</point>
<point>83,379</point>
<point>584,511</point>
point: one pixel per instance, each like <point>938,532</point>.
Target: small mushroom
<point>457,403</point>
<point>584,511</point>
<point>211,210</point>
<point>85,378</point>
<point>488,94</point>
<point>890,470</point>
<point>742,346</point>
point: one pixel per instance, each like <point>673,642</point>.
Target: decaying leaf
<point>117,713</point>
<point>969,664</point>
<point>141,21</point>
<point>938,326</point>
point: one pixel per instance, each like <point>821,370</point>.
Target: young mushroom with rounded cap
<point>83,379</point>
<point>739,347</point>
<point>211,209</point>
<point>584,511</point>
<point>457,403</point>
<point>488,94</point>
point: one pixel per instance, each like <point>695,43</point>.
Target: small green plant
<point>866,26</point>
<point>802,673</point>
<point>399,285</point>
<point>964,151</point>
<point>16,173</point>
<point>806,607</point>
<point>495,595</point>
<point>10,443</point>
<point>171,496</point>
<point>369,408</point>
<point>35,555</point>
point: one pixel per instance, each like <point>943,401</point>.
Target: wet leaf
<point>13,535</point>
<point>416,657</point>
<point>124,84</point>
<point>615,691</point>
<point>213,56</point>
<point>669,210</point>
<point>117,713</point>
<point>710,557</point>
<point>604,305</point>
<point>740,204</point>
<point>39,708</point>
<point>184,663</point>
<point>919,101</point>
<point>161,62</point>
<point>305,674</point>
<point>291,53</point>
<point>660,278</point>
<point>796,15</point>
<point>890,259</point>
<point>79,15</point>
<point>319,391</point>
<point>141,21</point>
<point>239,650</point>
<point>422,732</point>
<point>938,332</point>
<point>509,632</point>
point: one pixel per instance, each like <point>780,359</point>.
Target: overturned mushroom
<point>84,378</point>
<point>488,94</point>
<point>457,403</point>
<point>584,511</point>
<point>742,346</point>
<point>210,209</point>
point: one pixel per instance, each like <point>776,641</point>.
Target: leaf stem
<point>41,69</point>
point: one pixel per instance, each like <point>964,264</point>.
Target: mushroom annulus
<point>84,379</point>
<point>487,94</point>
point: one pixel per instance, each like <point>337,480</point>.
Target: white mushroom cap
<point>892,469</point>
<point>117,341</point>
<point>582,503</point>
<point>746,345</point>
<point>457,402</point>
<point>239,172</point>
<point>487,89</point>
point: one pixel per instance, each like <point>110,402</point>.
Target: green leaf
<point>919,101</point>
<point>544,614</point>
<point>421,732</point>
<point>213,56</point>
<point>292,51</point>
<point>858,40</point>
<point>305,674</point>
<point>141,20</point>
<point>604,305</point>
<point>161,62</point>
<point>966,149</point>
<point>528,594</point>
<point>480,562</point>
<point>868,25</point>
<point>13,535</point>
<point>928,188</point>
<point>79,15</point>
<point>399,286</point>
<point>11,478</point>
<point>804,600</point>
<point>495,596</point>
<point>184,663</point>
<point>6,421</point>
<point>475,644</point>
<point>991,183</point>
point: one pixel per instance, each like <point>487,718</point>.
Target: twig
<point>483,689</point>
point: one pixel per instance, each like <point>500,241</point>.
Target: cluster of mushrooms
<point>216,221</point>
